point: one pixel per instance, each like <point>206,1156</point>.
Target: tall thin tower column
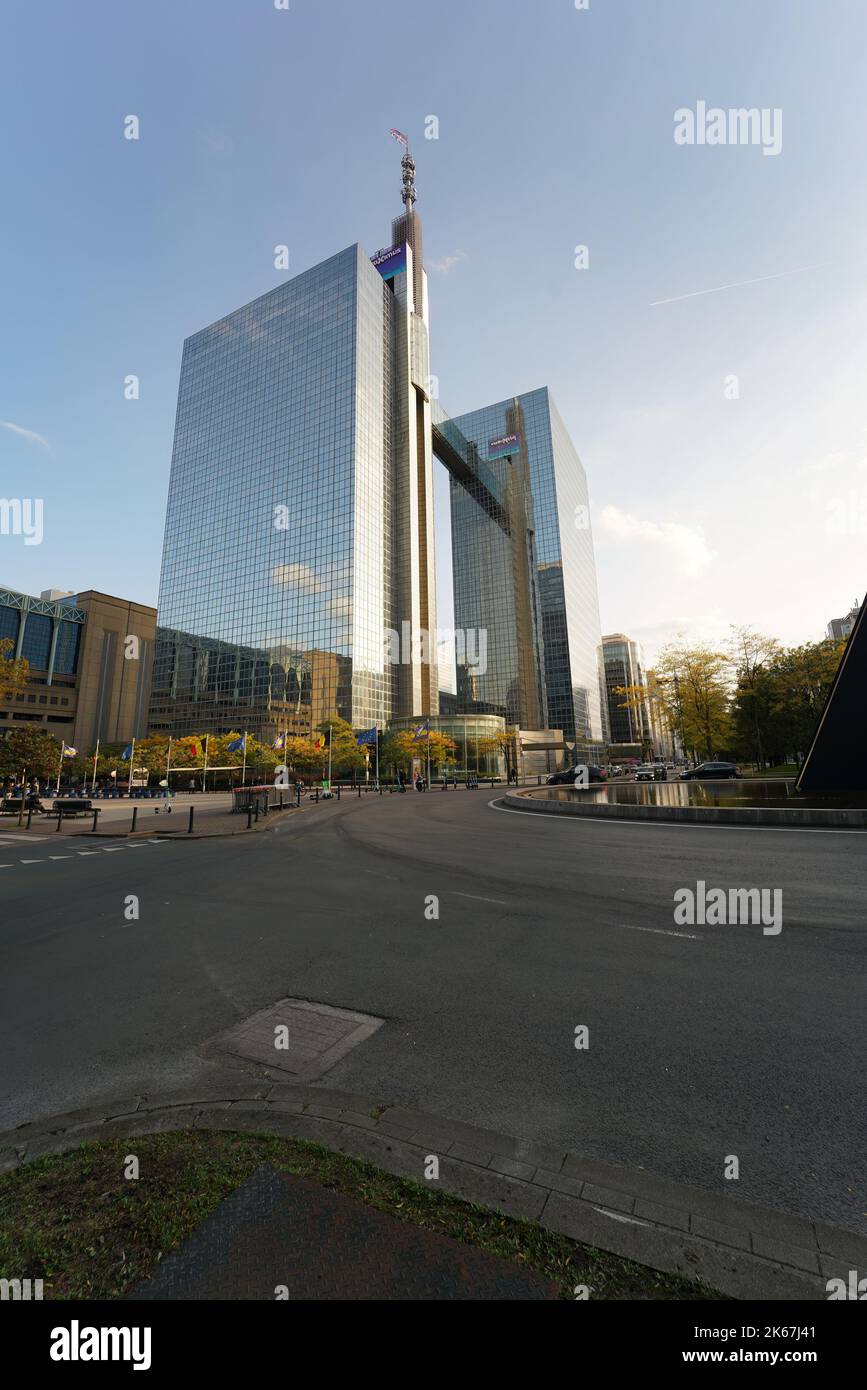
<point>415,573</point>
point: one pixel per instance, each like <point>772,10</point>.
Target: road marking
<point>7,866</point>
<point>60,856</point>
<point>476,897</point>
<point>29,839</point>
<point>658,931</point>
<point>31,861</point>
<point>87,851</point>
<point>113,849</point>
<point>376,874</point>
<point>616,1215</point>
<point>682,825</point>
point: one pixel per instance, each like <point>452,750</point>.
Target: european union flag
<point>127,752</point>
<point>238,744</point>
<point>368,738</point>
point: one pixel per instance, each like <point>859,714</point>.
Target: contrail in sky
<point>738,284</point>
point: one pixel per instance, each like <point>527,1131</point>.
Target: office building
<point>90,660</point>
<point>839,629</point>
<point>625,678</point>
<point>526,442</point>
<point>300,520</point>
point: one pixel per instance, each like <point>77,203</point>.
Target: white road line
<point>113,849</point>
<point>617,1215</point>
<point>60,856</point>
<point>477,899</point>
<point>31,861</point>
<point>87,851</point>
<point>7,866</point>
<point>682,825</point>
<point>28,839</point>
<point>658,931</point>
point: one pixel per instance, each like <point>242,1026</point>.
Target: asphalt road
<point>705,1041</point>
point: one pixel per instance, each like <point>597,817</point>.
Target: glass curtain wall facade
<point>277,576</point>
<point>498,645</point>
<point>558,515</point>
<point>624,668</point>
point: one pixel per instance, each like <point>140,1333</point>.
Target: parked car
<point>644,773</point>
<point>567,778</point>
<point>710,772</point>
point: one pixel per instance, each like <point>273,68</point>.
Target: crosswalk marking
<point>28,839</point>
<point>83,853</point>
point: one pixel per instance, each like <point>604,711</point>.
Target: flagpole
<point>428,751</point>
<point>59,769</point>
<point>168,765</point>
<point>95,761</point>
<point>131,766</point>
<point>376,731</point>
<point>244,764</point>
<point>205,768</point>
<point>329,756</point>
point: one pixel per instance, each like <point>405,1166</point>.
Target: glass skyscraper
<point>298,578</point>
<point>299,527</point>
<point>525,438</point>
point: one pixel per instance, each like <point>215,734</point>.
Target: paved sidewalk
<point>741,1250</point>
<point>277,1231</point>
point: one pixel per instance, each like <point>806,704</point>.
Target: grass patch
<point>74,1221</point>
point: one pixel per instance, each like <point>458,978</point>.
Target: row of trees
<point>753,701</point>
<point>40,754</point>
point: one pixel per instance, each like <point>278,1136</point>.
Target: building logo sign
<point>506,444</point>
<point>391,261</point>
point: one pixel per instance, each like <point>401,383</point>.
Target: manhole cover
<point>299,1037</point>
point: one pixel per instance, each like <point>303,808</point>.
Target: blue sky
<point>261,127</point>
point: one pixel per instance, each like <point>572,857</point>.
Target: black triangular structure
<point>837,760</point>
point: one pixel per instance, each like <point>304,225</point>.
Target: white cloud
<point>25,434</point>
<point>687,548</point>
<point>296,576</point>
<point>448,262</point>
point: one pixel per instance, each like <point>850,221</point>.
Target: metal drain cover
<point>299,1037</point>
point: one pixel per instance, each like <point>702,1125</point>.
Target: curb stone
<point>744,1251</point>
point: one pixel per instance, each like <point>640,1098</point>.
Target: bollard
<point>281,801</point>
<point>249,814</point>
<point>95,817</point>
<point>317,796</point>
<point>257,811</point>
<point>297,796</point>
<point>59,819</point>
<point>359,793</point>
<point>134,818</point>
<point>338,791</point>
<point>190,826</point>
<point>29,816</point>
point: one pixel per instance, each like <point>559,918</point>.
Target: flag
<point>238,745</point>
<point>399,136</point>
<point>422,730</point>
<point>319,742</point>
<point>69,751</point>
<point>127,752</point>
<point>368,738</point>
<point>280,741</point>
<point>195,748</point>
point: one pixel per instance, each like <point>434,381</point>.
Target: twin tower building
<point>298,575</point>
